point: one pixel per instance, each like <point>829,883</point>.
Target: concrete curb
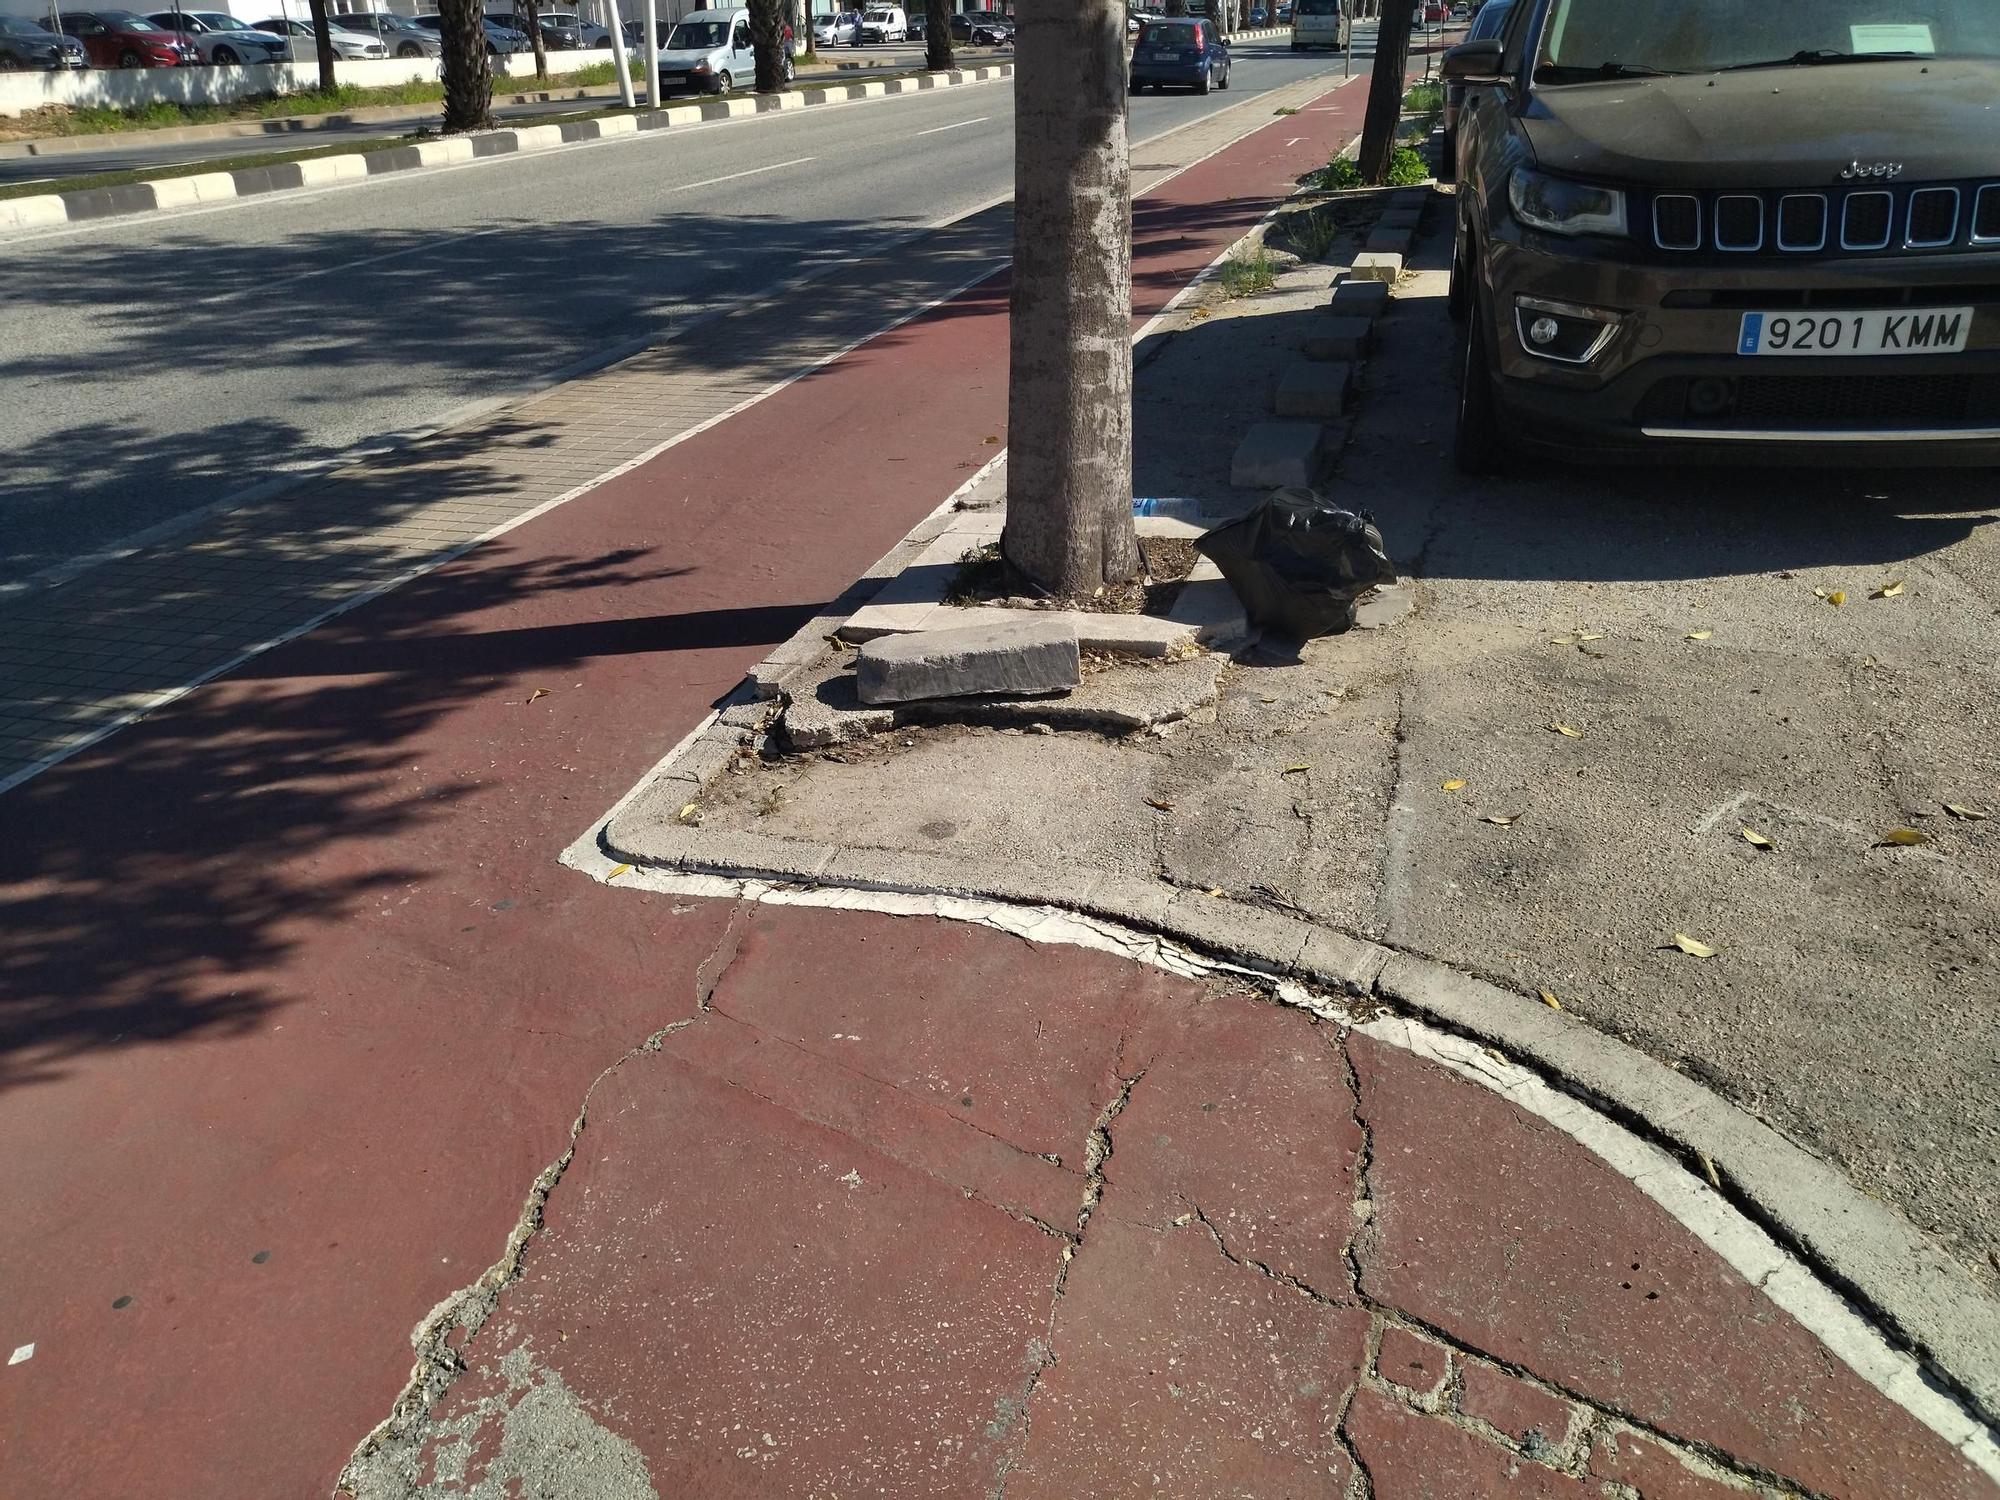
<point>165,193</point>
<point>1915,1293</point>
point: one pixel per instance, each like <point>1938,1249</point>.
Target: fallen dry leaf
<point>1837,598</point>
<point>1216,892</point>
<point>1708,1166</point>
<point>1550,1000</point>
<point>1904,838</point>
<point>1888,590</point>
<point>689,813</point>
<point>1698,635</point>
<point>538,693</point>
<point>1454,786</point>
<point>1693,947</point>
<point>1757,840</point>
<point>1161,803</point>
<point>1304,765</point>
<point>1503,819</point>
<point>1563,640</point>
<point>1590,635</point>
<point>617,870</point>
<point>1566,732</point>
<point>1970,814</point>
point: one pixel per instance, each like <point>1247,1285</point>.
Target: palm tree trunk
<point>1385,94</point>
<point>534,14</point>
<point>937,35</point>
<point>1069,396</point>
<point>767,35</point>
<point>323,45</point>
<point>468,75</point>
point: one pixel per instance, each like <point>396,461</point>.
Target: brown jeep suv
<point>1738,229</point>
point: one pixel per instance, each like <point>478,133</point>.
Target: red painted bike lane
<point>297,1001</point>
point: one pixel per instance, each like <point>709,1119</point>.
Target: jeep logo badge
<point>1881,169</point>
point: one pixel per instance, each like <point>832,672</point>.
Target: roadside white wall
<point>129,88</point>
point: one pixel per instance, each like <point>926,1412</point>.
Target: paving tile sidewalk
<point>914,1208</point>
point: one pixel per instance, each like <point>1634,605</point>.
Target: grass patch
<point>1424,99</point>
<point>1287,110</point>
<point>1309,234</point>
<point>1242,275</point>
<point>1406,169</point>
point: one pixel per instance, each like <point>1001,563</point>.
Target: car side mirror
<point>1476,62</point>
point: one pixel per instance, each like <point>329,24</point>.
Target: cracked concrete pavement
<point>914,1207</point>
<point>1679,624</point>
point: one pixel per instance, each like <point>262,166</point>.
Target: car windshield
<point>1588,39</point>
<point>878,15</point>
<point>215,20</point>
<point>16,26</point>
<point>1169,33</point>
<point>693,35</point>
<point>124,20</point>
<point>1317,8</point>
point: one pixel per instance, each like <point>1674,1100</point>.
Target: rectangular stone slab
<point>1360,298</point>
<point>1029,655</point>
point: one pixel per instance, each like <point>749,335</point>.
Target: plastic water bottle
<point>1174,508</point>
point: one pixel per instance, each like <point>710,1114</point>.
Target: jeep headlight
<point>1560,206</point>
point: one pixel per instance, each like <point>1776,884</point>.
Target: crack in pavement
<point>1012,1417</point>
<point>1282,1278</point>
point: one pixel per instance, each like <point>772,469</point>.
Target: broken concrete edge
<point>1886,1272</point>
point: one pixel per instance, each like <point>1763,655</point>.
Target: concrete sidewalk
<point>908,1207</point>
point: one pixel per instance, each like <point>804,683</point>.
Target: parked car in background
<point>555,36</point>
<point>836,30</point>
<point>24,45</point>
<point>919,23</point>
<point>121,39</point>
<point>1321,23</point>
<point>1777,239</point>
<point>1485,26</point>
<point>885,23</point>
<point>348,46</point>
<point>565,23</point>
<point>985,27</point>
<point>1257,17</point>
<point>500,40</point>
<point>710,52</point>
<point>1180,52</point>
<point>400,36</point>
<point>222,40</point>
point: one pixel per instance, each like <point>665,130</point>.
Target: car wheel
<point>1225,79</point>
<point>491,50</point>
<point>723,83</point>
<point>1447,167</point>
<point>225,57</point>
<point>8,62</point>
<point>1459,292</point>
<point>129,59</point>
<point>1202,87</point>
<point>1475,444</point>
<point>409,49</point>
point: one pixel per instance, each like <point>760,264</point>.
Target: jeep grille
<point>1922,217</point>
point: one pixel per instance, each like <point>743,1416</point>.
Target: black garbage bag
<point>1298,563</point>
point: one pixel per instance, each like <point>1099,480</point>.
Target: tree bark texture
<point>323,45</point>
<point>533,12</point>
<point>1385,94</point>
<point>468,75</point>
<point>1069,395</point>
<point>937,35</point>
<point>767,35</point>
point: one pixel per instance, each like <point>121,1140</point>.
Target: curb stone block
<point>1513,1407</point>
<point>1361,297</point>
<point>799,860</point>
<point>1273,455</point>
<point>1253,936</point>
<point>1339,336</point>
<point>1026,656</point>
<point>1390,241</point>
<point>1378,265</point>
<point>1314,390</point>
<point>1416,1364</point>
<point>1347,962</point>
<point>1400,218</point>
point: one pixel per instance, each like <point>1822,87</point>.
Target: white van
<point>885,23</point>
<point>709,52</point>
<point>1321,23</point>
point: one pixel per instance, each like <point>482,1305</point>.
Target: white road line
<point>960,125</point>
<point>776,166</point>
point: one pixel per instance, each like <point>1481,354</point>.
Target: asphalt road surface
<point>163,365</point>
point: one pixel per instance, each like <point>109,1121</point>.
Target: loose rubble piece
<point>1018,657</point>
<point>1298,563</point>
<point>822,708</point>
